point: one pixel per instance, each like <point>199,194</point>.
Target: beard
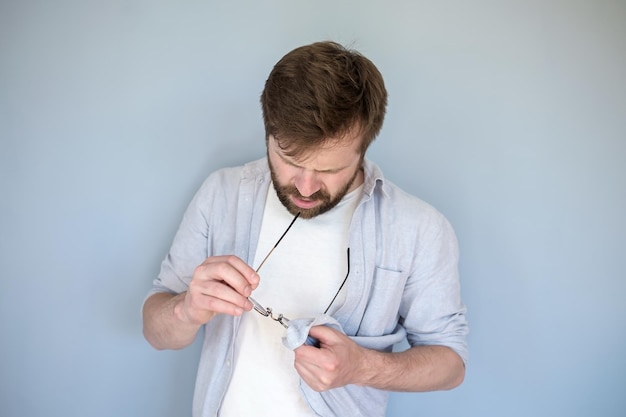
<point>326,200</point>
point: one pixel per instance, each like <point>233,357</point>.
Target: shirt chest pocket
<point>384,298</point>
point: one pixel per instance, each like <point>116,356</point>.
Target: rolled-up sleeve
<point>432,310</point>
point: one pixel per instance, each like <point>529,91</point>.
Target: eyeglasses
<point>280,318</point>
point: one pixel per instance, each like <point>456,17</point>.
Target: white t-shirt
<point>299,279</point>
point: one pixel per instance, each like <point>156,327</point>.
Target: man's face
<point>316,182</point>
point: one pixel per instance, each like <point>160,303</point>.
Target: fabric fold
<point>349,400</point>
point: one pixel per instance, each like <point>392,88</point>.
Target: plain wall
<point>509,117</point>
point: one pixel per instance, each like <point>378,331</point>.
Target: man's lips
<point>303,203</point>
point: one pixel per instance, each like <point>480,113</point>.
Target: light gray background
<point>508,116</point>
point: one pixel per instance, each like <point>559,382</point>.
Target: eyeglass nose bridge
<point>280,318</point>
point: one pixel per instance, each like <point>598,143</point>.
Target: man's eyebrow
<point>331,170</point>
<point>287,160</point>
<point>296,165</point>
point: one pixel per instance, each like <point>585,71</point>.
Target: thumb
<point>324,334</point>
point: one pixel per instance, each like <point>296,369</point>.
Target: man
<point>304,268</point>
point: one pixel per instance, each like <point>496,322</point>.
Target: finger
<point>313,375</point>
<point>230,270</point>
<point>325,335</point>
<point>310,355</point>
<point>243,268</point>
<point>219,305</point>
<point>306,375</point>
<point>218,296</point>
<point>200,308</point>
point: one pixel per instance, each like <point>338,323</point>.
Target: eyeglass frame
<point>268,311</point>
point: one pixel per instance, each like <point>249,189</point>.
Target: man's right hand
<point>221,284</point>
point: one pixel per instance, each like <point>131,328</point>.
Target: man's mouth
<point>304,203</point>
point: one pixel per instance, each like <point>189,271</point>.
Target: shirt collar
<point>373,178</point>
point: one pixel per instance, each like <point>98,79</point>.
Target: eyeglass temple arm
<point>257,306</point>
<point>281,238</point>
<point>342,284</point>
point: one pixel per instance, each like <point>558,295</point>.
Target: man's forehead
<point>350,140</point>
<point>322,159</point>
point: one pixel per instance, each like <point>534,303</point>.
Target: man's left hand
<point>337,362</point>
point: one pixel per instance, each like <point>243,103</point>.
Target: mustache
<point>318,195</point>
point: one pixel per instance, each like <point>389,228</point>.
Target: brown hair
<point>323,91</point>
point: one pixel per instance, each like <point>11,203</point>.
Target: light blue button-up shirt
<point>403,279</point>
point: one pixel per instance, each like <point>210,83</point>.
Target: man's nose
<point>307,183</point>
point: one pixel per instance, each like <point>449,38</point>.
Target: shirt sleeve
<point>432,310</point>
<point>189,247</point>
